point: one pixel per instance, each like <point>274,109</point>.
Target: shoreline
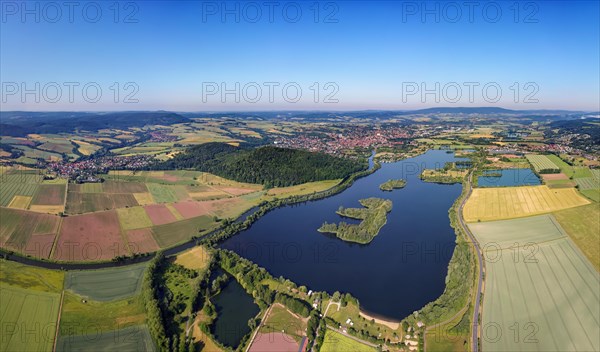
<point>18,257</point>
<point>392,324</point>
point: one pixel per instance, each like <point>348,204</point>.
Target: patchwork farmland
<point>542,164</point>
<point>541,293</point>
<point>486,204</point>
<point>129,213</point>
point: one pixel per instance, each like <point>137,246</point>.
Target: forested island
<point>390,185</point>
<point>373,216</point>
<point>268,165</point>
<point>443,176</point>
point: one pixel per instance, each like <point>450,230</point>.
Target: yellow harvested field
<point>487,204</point>
<point>47,209</point>
<point>86,148</point>
<point>133,218</point>
<point>196,258</point>
<point>20,202</point>
<point>143,198</point>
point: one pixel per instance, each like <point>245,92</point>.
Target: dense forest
<point>270,166</point>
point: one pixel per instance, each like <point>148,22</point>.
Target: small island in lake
<point>443,175</point>
<point>373,216</point>
<point>390,185</point>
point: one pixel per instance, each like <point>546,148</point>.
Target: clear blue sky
<point>373,53</point>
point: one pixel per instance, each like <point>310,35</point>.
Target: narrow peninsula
<point>373,216</point>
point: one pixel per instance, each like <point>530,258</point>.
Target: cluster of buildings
<point>348,139</point>
<point>87,170</point>
<point>162,136</point>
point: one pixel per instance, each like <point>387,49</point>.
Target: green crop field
<point>28,319</point>
<point>542,164</point>
<point>583,225</point>
<point>176,232</point>
<point>162,193</point>
<point>81,316</point>
<point>17,184</point>
<point>336,342</point>
<point>132,339</point>
<point>106,284</point>
<point>541,293</point>
<point>593,194</point>
<point>570,171</point>
<point>585,183</point>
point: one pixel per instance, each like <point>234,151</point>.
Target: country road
<point>475,330</point>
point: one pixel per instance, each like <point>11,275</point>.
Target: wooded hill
<point>268,165</point>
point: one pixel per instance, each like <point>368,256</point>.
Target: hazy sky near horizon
<point>274,55</point>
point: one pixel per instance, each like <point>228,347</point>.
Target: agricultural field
<point>81,316</point>
<point>586,183</point>
<point>583,225</point>
<point>49,194</point>
<point>160,214</point>
<point>35,311</point>
<point>106,284</point>
<point>141,241</point>
<point>124,187</point>
<point>135,338</point>
<point>16,183</point>
<point>197,258</point>
<point>86,148</point>
<point>302,189</point>
<point>133,218</point>
<point>80,203</point>
<point>486,204</point>
<point>570,171</point>
<point>20,202</point>
<point>334,342</point>
<point>180,231</point>
<point>542,164</point>
<point>30,299</point>
<point>539,285</point>
<point>162,194</point>
<point>90,237</point>
<point>28,232</point>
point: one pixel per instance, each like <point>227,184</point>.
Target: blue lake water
<point>509,177</point>
<point>234,308</point>
<point>399,272</point>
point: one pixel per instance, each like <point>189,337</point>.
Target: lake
<point>509,177</point>
<point>234,308</point>
<point>399,272</point>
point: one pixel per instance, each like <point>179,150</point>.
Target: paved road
<point>474,341</point>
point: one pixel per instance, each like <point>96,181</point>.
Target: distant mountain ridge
<point>16,123</point>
